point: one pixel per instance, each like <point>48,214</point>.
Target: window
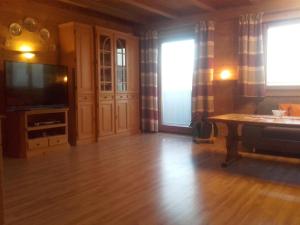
<point>177,64</point>
<point>283,55</point>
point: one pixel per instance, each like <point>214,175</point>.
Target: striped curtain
<point>251,56</point>
<point>202,92</point>
<point>149,85</point>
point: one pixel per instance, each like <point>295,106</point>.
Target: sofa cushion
<point>294,110</point>
<point>286,107</point>
<point>267,104</point>
<point>282,133</point>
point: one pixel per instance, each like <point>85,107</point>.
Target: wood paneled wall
<point>226,37</point>
<point>48,15</point>
<point>226,45</point>
<point>226,49</point>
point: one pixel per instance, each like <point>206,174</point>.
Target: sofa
<point>270,139</point>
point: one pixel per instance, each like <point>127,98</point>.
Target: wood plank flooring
<point>152,179</point>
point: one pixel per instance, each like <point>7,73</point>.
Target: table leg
<point>231,144</point>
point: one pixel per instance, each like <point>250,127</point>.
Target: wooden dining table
<point>232,122</point>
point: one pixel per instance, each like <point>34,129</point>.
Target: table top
<point>285,121</point>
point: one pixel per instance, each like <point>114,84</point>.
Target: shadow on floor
<point>268,168</point>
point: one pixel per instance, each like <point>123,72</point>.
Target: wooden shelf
<point>48,136</point>
<point>44,127</point>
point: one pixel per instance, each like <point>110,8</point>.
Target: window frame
<point>276,90</point>
<point>169,37</point>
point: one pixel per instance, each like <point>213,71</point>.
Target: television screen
<point>35,85</point>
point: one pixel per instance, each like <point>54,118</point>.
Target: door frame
<point>161,127</point>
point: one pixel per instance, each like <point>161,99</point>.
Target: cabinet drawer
<point>57,140</point>
<point>38,143</point>
<point>85,98</point>
<point>122,96</point>
<point>104,97</point>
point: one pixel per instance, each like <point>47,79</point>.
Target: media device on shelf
<point>30,86</point>
<point>37,124</point>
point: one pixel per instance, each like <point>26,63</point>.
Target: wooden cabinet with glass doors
<point>105,82</point>
<point>77,51</point>
<point>105,56</point>
<point>121,69</point>
<point>115,53</point>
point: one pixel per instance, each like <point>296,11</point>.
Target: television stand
<point>35,132</point>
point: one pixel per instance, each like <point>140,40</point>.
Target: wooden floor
<point>154,179</point>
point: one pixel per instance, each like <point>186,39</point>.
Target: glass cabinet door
<point>121,65</point>
<point>106,73</point>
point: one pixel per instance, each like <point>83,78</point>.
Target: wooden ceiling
<point>148,11</point>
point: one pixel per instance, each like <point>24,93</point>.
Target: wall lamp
<point>26,52</point>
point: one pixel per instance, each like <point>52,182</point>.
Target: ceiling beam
<point>254,1</point>
<point>151,9</point>
<point>202,5</point>
<point>105,9</point>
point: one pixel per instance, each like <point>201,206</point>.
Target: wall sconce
<point>26,51</point>
<point>28,55</point>
<point>25,48</point>
<point>226,75</point>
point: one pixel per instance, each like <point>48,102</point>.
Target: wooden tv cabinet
<point>35,132</point>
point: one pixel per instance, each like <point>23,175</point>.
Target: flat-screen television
<point>31,85</point>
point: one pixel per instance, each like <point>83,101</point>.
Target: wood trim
<point>289,14</point>
<point>289,91</point>
<point>67,12</point>
<point>202,5</point>
<point>159,86</point>
<point>105,9</point>
<point>151,9</point>
<point>271,11</point>
<point>284,92</point>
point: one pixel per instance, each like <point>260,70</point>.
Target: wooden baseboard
<point>121,134</point>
